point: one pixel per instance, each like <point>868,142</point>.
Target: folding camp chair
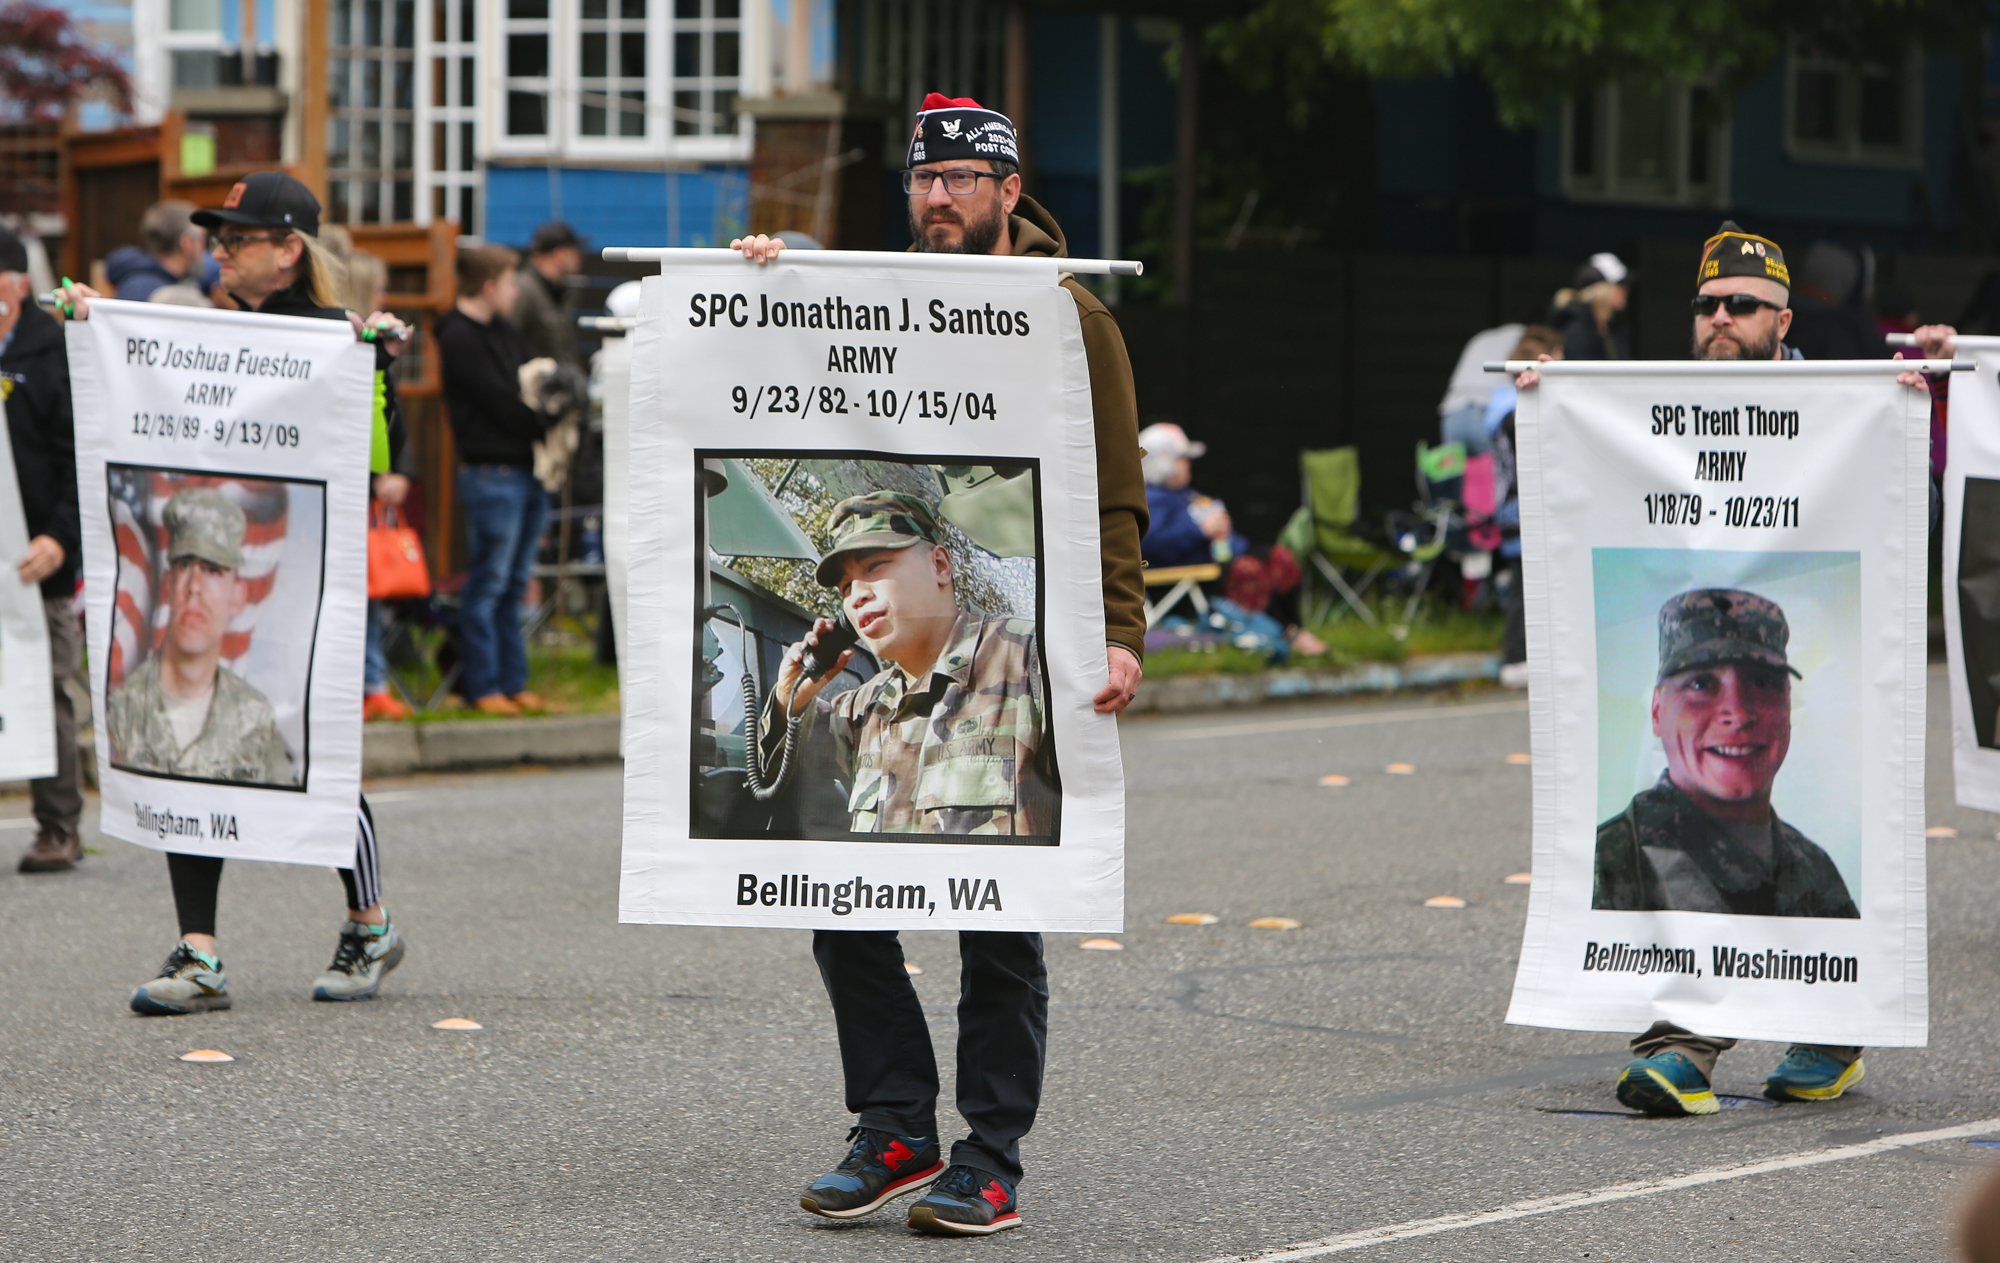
<point>1451,520</point>
<point>1322,531</point>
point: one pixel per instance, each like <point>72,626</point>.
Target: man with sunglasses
<point>964,185</point>
<point>1742,310</point>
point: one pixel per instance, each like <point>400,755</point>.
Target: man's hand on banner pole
<point>758,249</point>
<point>383,329</point>
<point>72,299</point>
<point>43,558</point>
<point>1529,377</point>
<point>1114,697</point>
<point>1938,342</point>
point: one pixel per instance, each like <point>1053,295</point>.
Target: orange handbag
<point>396,567</point>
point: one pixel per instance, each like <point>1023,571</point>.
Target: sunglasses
<point>1739,305</point>
<point>231,242</point>
<point>956,183</point>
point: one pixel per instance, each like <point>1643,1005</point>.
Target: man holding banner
<point>964,186</point>
<point>1706,839</point>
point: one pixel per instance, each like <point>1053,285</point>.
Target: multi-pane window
<point>1840,112</point>
<point>526,50</point>
<point>707,65</point>
<point>448,113</point>
<point>1658,142</point>
<point>371,83</point>
<point>611,68</point>
<point>193,41</point>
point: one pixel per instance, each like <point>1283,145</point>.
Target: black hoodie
<point>34,380</point>
<point>294,301</point>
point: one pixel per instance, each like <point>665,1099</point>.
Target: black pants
<point>197,879</point>
<point>885,1044</point>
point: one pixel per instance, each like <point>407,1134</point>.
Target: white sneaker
<point>190,982</point>
<point>1514,675</point>
<point>365,956</point>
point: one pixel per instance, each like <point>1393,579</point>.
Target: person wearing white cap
<point>1589,311</point>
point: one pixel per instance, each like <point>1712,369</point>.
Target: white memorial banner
<point>899,452</point>
<point>222,471</point>
<point>1972,574</point>
<point>27,711</point>
<point>1725,572</point>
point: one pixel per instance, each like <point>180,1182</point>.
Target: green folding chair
<point>1322,533</point>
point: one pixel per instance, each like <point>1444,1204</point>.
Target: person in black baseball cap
<point>265,236</point>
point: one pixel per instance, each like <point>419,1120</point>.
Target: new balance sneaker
<point>1666,1084</point>
<point>365,956</point>
<point>190,982</point>
<point>878,1168</point>
<point>1807,1074</point>
<point>966,1202</point>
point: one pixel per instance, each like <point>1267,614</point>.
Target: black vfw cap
<point>267,199</point>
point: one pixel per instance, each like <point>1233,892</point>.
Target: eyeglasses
<point>957,182</point>
<point>231,242</point>
<point>1739,305</point>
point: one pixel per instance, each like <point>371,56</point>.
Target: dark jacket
<point>543,319</point>
<point>294,301</point>
<point>1826,332</point>
<point>34,380</point>
<point>1173,537</point>
<point>1583,340</point>
<point>481,366</point>
<point>1114,401</point>
<point>1663,853</point>
<point>136,274</point>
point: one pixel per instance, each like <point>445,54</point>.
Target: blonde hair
<point>321,273</point>
<point>367,277</point>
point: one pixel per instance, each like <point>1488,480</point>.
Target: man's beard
<point>976,237</point>
<point>1737,350</point>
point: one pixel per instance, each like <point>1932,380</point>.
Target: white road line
<point>1593,1197</point>
<point>1345,721</point>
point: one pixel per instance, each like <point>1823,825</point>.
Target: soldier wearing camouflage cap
<point>1705,837</point>
<point>181,712</point>
<point>951,735</point>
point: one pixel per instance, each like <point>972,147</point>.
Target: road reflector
<point>1400,769</point>
<point>1940,831</point>
<point>1519,879</point>
<point>1192,918</point>
<point>912,970</point>
<point>1274,923</point>
<point>1102,945</point>
<point>1333,779</point>
<point>1444,901</point>
<point>457,1024</point>
<point>206,1054</point>
<point>1519,759</point>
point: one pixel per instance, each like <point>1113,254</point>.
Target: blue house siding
<point>617,206</point>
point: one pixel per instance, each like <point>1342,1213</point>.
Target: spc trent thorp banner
<point>907,445</point>
<point>1725,613</point>
<point>222,472</point>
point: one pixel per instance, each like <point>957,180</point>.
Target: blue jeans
<point>504,511</point>
<point>374,656</point>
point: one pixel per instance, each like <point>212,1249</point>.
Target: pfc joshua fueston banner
<point>1725,571</point>
<point>900,455</point>
<point>222,471</point>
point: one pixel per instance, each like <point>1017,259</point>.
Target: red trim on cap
<point>939,101</point>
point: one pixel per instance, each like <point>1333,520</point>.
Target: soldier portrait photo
<point>210,650</point>
<point>905,693</point>
<point>1705,836</point>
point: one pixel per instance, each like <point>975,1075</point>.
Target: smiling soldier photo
<point>181,712</point>
<point>951,736</point>
<point>1705,838</point>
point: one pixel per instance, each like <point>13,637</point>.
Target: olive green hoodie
<point>1121,488</point>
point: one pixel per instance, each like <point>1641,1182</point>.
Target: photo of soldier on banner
<point>855,573</point>
<point>217,452</point>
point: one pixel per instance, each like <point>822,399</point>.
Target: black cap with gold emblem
<point>1733,252</point>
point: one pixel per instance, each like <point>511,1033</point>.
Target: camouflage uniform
<point>239,739</point>
<point>966,751</point>
<point>1663,852</point>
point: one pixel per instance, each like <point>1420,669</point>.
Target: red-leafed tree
<point>46,65</point>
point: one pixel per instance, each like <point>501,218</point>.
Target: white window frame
<point>1606,185</point>
<point>1847,149</point>
<point>457,173</point>
<point>611,144</point>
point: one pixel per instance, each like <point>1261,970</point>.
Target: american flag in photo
<point>138,501</point>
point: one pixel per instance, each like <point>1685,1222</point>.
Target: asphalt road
<point>662,1093</point>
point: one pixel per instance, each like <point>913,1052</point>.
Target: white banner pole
<point>711,255</point>
<point>1688,368</point>
<point>1964,341</point>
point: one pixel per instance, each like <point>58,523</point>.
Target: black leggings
<point>197,878</point>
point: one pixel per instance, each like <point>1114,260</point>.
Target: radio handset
<point>820,658</point>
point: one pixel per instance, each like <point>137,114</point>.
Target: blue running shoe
<point>878,1169</point>
<point>1807,1074</point>
<point>966,1202</point>
<point>1666,1084</point>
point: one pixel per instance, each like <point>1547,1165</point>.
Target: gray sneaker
<point>190,982</point>
<point>365,956</point>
